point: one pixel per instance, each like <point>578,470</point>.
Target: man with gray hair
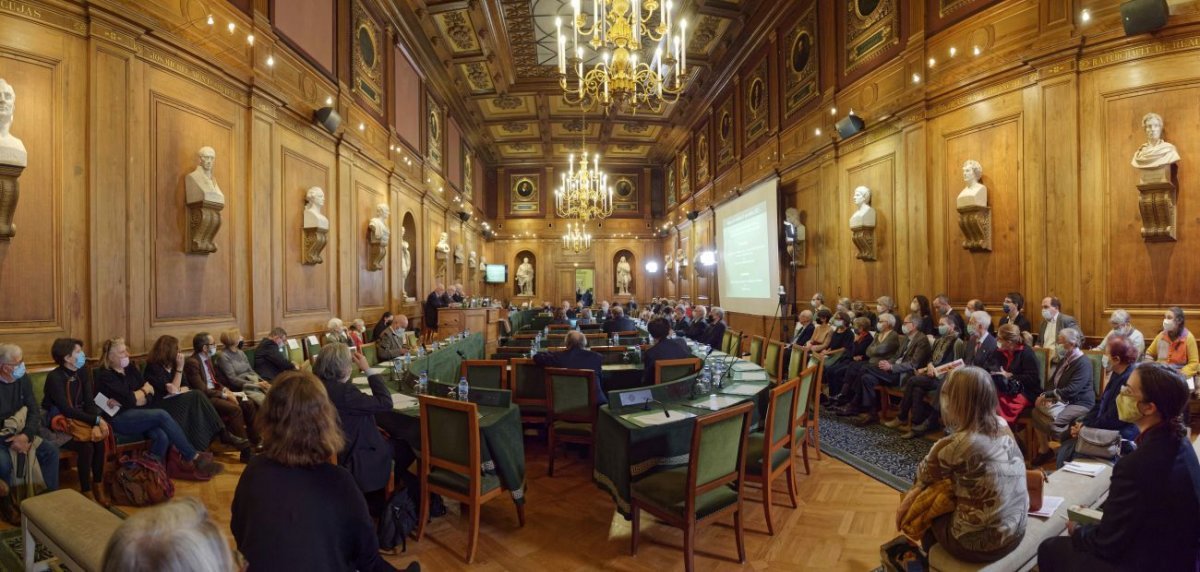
<point>1122,326</point>
<point>576,356</point>
<point>980,345</point>
<point>1069,397</point>
<point>716,330</point>
<point>699,325</point>
<point>16,392</point>
<point>885,347</point>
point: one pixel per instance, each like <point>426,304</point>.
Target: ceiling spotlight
<point>652,267</point>
<point>329,100</point>
<point>817,132</point>
<point>211,21</point>
<point>932,62</point>
<point>270,61</point>
<point>916,78</point>
<point>362,126</point>
<point>1084,16</point>
<point>975,50</point>
<point>250,39</point>
<point>232,27</point>
<point>833,111</point>
<point>953,51</point>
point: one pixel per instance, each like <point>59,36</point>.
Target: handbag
<point>78,430</point>
<point>1035,484</point>
<point>1099,443</point>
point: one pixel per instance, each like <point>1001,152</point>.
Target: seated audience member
<point>576,356</point>
<point>560,318</point>
<point>384,321</point>
<point>1152,515</point>
<point>1015,371</point>
<point>980,347</point>
<point>662,346</point>
<point>924,417</point>
<point>680,322</point>
<point>804,328</point>
<point>942,307</point>
<point>16,391</point>
<point>843,305</point>
<point>366,453</point>
<point>202,377</point>
<point>716,329</point>
<point>885,305</point>
<point>271,355</point>
<point>573,312</point>
<point>1122,327</point>
<point>859,308</point>
<point>835,374</point>
<point>274,528</point>
<point>619,322</point>
<point>1104,420</point>
<point>605,310</point>
<point>122,383</point>
<point>699,328</point>
<point>985,473</point>
<point>457,294</point>
<point>194,413</point>
<point>925,321</point>
<point>1053,321</point>
<point>841,335</point>
<point>887,370</point>
<point>177,537</point>
<point>585,317</point>
<point>1175,345</point>
<point>69,393</point>
<point>885,346</point>
<point>1070,395</point>
<point>817,301</point>
<point>1014,312</point>
<point>822,332</point>
<point>335,332</point>
<point>393,342</point>
<point>976,305</point>
<point>235,367</point>
<point>357,327</point>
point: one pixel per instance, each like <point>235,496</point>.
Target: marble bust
<point>200,184</point>
<point>796,246</point>
<point>975,193</point>
<point>679,256</point>
<point>864,217</point>
<point>443,245</point>
<point>1155,152</point>
<point>472,260</point>
<point>460,255</point>
<point>314,199</point>
<point>12,150</point>
<point>792,216</point>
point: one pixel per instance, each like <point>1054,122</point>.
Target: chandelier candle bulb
<point>683,47</point>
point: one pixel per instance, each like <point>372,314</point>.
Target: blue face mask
<point>943,330</point>
<point>19,371</point>
<point>80,360</point>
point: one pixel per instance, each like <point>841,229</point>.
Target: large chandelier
<point>576,240</point>
<point>617,31</point>
<point>584,193</point>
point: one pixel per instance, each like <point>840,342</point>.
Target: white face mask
<point>1168,325</point>
<point>907,329</point>
<point>1046,314</point>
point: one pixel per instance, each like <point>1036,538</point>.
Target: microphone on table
<point>460,354</point>
<point>646,406</point>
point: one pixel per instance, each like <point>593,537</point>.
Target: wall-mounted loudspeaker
<point>692,215</point>
<point>1138,16</point>
<point>464,216</point>
<point>849,125</point>
<point>328,118</point>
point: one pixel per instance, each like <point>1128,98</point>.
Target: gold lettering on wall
<point>52,17</point>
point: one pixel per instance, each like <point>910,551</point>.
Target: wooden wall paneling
<point>875,166</point>
<point>309,290</point>
<point>916,278</point>
<point>802,190</point>
<point>372,292</point>
<point>265,224</point>
<point>1061,182</point>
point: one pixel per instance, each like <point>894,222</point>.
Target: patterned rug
<point>12,553</point>
<point>874,450</point>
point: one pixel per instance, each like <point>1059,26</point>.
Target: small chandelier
<point>575,240</point>
<point>584,193</point>
<point>617,31</point>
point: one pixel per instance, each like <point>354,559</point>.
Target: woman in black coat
<point>69,392</point>
<point>1014,368</point>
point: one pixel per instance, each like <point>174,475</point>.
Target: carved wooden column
<point>9,193</point>
<point>1156,202</point>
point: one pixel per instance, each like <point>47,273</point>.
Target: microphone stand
<point>646,406</point>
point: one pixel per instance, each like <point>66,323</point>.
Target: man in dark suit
<point>436,299</point>
<point>393,342</point>
<point>804,328</point>
<point>976,305</point>
<point>1071,394</point>
<point>915,356</point>
<point>1053,322</point>
<point>459,295</point>
<point>588,298</point>
<point>681,323</point>
<point>980,346</point>
<point>271,356</point>
<point>716,329</point>
<point>942,307</point>
<point>885,347</point>
<point>619,322</point>
<point>699,326</point>
<point>576,356</point>
<point>664,347</point>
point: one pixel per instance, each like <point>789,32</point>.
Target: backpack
<point>140,480</point>
<point>399,519</point>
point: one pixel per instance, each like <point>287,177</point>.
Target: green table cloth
<point>621,376</point>
<point>444,364</point>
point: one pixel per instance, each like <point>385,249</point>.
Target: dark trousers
<point>403,454</point>
<point>238,417</point>
<point>913,402</point>
<point>91,461</point>
<point>1059,553</point>
<point>871,378</point>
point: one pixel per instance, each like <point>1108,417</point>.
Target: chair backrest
<point>369,352</point>
<point>725,338</point>
<point>571,394</point>
<point>588,327</point>
<point>1042,356</point>
<point>672,369</point>
<point>808,387</point>
<point>596,337</point>
<point>781,417</point>
<point>756,348</point>
<point>453,444</point>
<point>486,373</point>
<point>310,348</point>
<point>611,354</point>
<point>249,355</point>
<point>1097,357</point>
<point>718,448</point>
<point>296,354</point>
<point>959,347</point>
<point>772,360</point>
<point>735,343</point>
<point>528,382</point>
<point>796,360</point>
<point>559,327</point>
<point>505,327</point>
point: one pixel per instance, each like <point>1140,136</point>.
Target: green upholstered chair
<point>1098,375</point>
<point>772,360</point>
<point>769,452</point>
<point>529,390</point>
<point>1042,355</point>
<point>756,349</point>
<point>450,463</point>
<point>485,373</point>
<point>796,360</point>
<point>249,356</point>
<point>807,410</point>
<point>611,354</point>
<point>571,394</point>
<point>709,487</point>
<point>735,343</point>
<point>666,370</point>
<point>296,354</point>
<point>725,341</point>
<point>369,352</point>
<point>310,348</point>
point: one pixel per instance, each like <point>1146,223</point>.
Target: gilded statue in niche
<point>13,160</point>
<point>378,237</point>
<point>1155,161</point>
<point>316,226</point>
<point>862,225</point>
<point>204,204</point>
<point>974,214</point>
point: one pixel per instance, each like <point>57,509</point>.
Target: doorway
<point>585,278</point>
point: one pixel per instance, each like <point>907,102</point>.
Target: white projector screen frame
<point>748,251</point>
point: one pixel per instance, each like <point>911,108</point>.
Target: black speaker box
<point>849,125</point>
<point>693,215</point>
<point>1140,16</point>
<point>328,118</point>
<point>464,216</point>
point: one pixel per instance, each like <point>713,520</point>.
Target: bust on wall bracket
<point>316,227</point>
<point>862,225</point>
<point>796,235</point>
<point>378,238</point>
<point>1155,161</point>
<point>974,214</point>
<point>204,204</point>
<point>13,160</point>
<point>442,255</point>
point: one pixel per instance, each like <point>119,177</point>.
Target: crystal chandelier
<point>618,28</point>
<point>575,240</point>
<point>584,193</point>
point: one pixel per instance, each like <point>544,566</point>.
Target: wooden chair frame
<point>774,367</point>
<point>696,364</point>
<point>757,344</point>
<point>527,418</point>
<point>465,368</point>
<point>813,435</point>
<point>553,437</point>
<point>788,467</point>
<point>688,522</point>
<point>473,501</point>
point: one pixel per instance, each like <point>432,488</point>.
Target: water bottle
<point>463,388</point>
<point>407,361</point>
<point>616,339</point>
<point>423,383</point>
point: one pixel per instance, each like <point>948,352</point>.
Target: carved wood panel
<point>307,287</point>
<point>871,279</point>
<point>372,285</point>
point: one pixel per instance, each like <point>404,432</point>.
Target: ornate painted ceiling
<point>500,56</point>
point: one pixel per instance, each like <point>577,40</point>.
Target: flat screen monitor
<point>495,273</point>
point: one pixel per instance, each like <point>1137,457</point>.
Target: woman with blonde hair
<point>174,537</point>
<point>277,520</point>
<point>335,332</point>
<point>236,367</point>
<point>982,469</point>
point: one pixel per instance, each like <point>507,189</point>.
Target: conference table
<point>632,442</point>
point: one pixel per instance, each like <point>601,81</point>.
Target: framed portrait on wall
<point>525,194</point>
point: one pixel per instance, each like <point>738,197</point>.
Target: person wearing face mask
<point>16,391</point>
<point>1070,395</point>
<point>1014,312</point>
<point>942,307</point>
<point>716,328</point>
<point>69,393</point>
<point>979,345</point>
<point>841,335</point>
<point>335,332</point>
<point>822,333</point>
<point>193,412</point>
<point>237,412</point>
<point>926,324</point>
<point>837,373</point>
<point>1053,321</point>
<point>1122,327</point>
<point>1015,370</point>
<point>886,346</point>
<point>271,355</point>
<point>231,360</point>
<point>1175,346</point>
<point>357,327</point>
<point>1104,420</point>
<point>976,305</point>
<point>922,416</point>
<point>887,372</point>
<point>1152,514</point>
<point>366,454</point>
<point>885,305</point>
<point>804,328</point>
<point>394,342</point>
<point>699,326</point>
<point>817,302</point>
<point>384,321</point>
